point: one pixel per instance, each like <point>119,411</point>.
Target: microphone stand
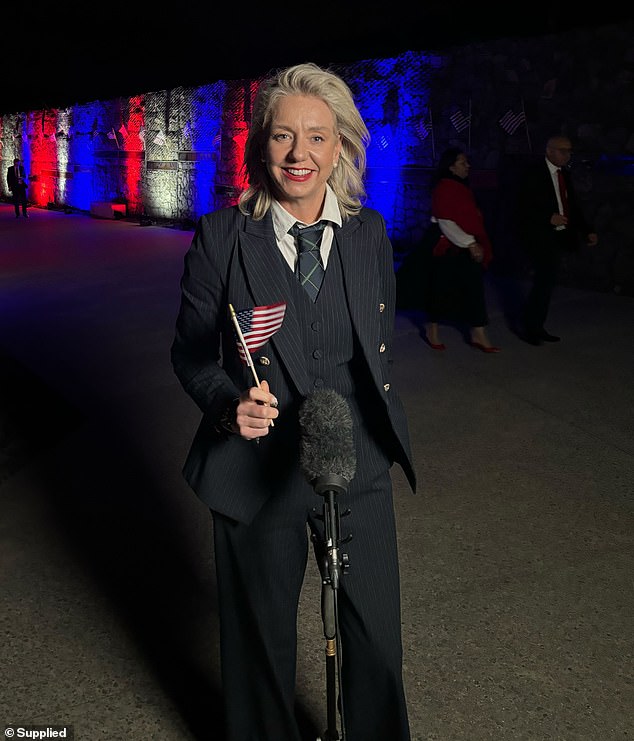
<point>332,565</point>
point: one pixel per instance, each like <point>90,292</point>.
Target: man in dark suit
<point>305,158</point>
<point>551,223</point>
<point>16,181</point>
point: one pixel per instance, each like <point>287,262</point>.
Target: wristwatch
<point>227,420</point>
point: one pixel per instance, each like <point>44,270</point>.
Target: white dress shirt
<point>555,178</point>
<point>283,221</point>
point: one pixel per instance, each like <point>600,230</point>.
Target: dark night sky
<point>76,53</point>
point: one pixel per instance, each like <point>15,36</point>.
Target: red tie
<point>563,193</point>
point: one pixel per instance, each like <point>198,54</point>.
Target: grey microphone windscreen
<point>327,440</point>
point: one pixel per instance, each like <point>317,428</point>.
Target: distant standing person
<point>461,250</point>
<point>16,181</point>
<point>551,222</point>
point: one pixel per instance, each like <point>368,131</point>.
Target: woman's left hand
<point>477,253</point>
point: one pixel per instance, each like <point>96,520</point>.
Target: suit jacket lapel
<point>265,271</point>
<point>548,178</point>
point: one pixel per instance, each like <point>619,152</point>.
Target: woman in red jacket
<point>459,256</point>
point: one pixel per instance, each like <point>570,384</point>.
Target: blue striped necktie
<point>309,265</point>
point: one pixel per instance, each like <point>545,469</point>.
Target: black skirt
<point>456,289</point>
<point>448,287</point>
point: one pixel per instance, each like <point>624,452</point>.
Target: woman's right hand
<point>256,409</point>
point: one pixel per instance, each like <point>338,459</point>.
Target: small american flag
<point>258,325</point>
<point>382,142</point>
<point>460,121</point>
<point>510,121</point>
<point>423,128</point>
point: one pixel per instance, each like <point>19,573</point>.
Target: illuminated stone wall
<point>173,155</point>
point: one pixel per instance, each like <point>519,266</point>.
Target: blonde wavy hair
<point>346,179</point>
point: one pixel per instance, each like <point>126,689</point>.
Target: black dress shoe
<point>549,337</point>
<point>532,339</point>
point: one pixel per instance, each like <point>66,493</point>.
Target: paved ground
<point>517,553</point>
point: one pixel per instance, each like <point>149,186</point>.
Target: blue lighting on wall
<point>81,157</point>
<point>393,104</point>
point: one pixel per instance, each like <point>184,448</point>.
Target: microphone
<point>327,452</point>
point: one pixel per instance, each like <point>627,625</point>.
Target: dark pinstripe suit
<point>259,497</point>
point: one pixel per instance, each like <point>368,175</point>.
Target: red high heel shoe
<point>435,345</point>
<point>480,346</point>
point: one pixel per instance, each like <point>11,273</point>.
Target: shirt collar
<point>283,221</point>
<point>552,168</point>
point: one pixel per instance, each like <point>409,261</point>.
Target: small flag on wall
<point>460,121</point>
<point>511,121</point>
<point>52,137</point>
<point>160,139</point>
<point>123,131</point>
<point>111,134</point>
<point>382,142</point>
<point>424,128</point>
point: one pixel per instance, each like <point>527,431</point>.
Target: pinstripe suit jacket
<point>235,259</point>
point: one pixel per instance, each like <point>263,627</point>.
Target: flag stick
<point>469,135</point>
<point>528,138</point>
<point>245,347</point>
